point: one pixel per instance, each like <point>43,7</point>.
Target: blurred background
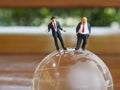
<point>24,40</point>
<point>67,17</point>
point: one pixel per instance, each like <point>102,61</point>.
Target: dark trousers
<point>81,37</point>
<point>58,36</point>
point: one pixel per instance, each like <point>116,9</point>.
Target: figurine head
<point>84,20</point>
<point>53,18</point>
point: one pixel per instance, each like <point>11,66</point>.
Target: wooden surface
<point>45,44</point>
<point>17,70</point>
<point>58,3</point>
<point>20,55</point>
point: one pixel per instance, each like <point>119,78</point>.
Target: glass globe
<point>72,70</point>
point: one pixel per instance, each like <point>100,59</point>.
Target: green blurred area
<point>68,17</point>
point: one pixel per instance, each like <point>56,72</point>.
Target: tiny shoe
<point>76,49</point>
<point>65,48</point>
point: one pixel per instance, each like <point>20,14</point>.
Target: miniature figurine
<point>55,27</point>
<point>83,30</point>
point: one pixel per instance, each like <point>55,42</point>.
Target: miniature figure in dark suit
<point>55,27</point>
<point>83,30</point>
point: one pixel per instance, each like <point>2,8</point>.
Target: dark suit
<point>81,37</point>
<point>56,34</point>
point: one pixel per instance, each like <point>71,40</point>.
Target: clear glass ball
<point>72,70</point>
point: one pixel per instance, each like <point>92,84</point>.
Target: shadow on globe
<point>72,70</point>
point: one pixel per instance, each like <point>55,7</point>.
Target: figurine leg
<point>56,42</point>
<point>79,39</point>
<point>62,43</point>
<point>85,40</point>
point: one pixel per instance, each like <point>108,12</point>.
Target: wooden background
<point>58,3</point>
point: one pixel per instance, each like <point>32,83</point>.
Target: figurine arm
<point>48,27</point>
<point>59,26</point>
<point>77,28</point>
<point>89,27</point>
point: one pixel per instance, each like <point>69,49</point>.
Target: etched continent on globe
<point>72,70</point>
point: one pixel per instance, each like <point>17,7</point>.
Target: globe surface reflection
<point>72,70</point>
